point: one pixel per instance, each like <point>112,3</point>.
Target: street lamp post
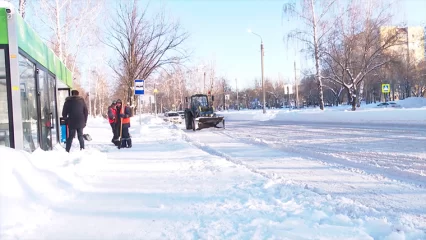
<point>155,100</point>
<point>204,87</point>
<point>261,59</point>
<point>236,88</point>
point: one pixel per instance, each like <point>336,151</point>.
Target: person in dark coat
<point>123,114</point>
<point>112,120</point>
<point>75,112</point>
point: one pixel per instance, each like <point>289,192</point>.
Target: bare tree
<point>179,84</point>
<point>335,89</point>
<point>70,21</point>
<point>308,90</point>
<point>357,46</point>
<point>419,89</point>
<point>101,99</point>
<point>22,4</point>
<point>143,45</point>
<point>192,79</point>
<point>318,24</point>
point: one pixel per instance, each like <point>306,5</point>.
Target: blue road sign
<point>139,87</point>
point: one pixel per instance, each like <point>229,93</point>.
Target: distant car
<point>181,114</point>
<point>389,104</point>
<point>172,117</point>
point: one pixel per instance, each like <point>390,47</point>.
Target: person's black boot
<point>67,146</point>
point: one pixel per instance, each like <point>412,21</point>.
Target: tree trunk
<point>353,96</point>
<point>360,93</point>
<point>349,96</point>
<point>354,103</point>
<point>317,58</point>
<point>94,104</point>
<point>95,100</point>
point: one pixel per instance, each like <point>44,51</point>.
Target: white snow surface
<point>412,111</point>
<point>326,177</point>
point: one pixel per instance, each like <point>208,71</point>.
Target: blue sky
<point>218,31</point>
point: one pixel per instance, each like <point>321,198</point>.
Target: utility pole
<point>224,95</point>
<point>263,82</point>
<point>261,59</point>
<point>204,88</point>
<point>236,88</point>
<point>150,105</point>
<point>296,85</point>
<point>140,111</point>
<point>408,88</point>
<point>284,93</point>
<point>155,100</point>
<point>90,87</point>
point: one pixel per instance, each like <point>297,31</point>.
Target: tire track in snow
<point>384,200</point>
<point>338,160</point>
<point>217,153</point>
<point>358,209</point>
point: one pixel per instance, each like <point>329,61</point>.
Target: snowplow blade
<point>207,122</point>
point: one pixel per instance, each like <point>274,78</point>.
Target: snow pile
<point>32,184</point>
<point>24,191</point>
<point>412,112</point>
<point>413,102</point>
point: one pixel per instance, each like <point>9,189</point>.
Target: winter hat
<point>118,101</point>
<point>114,102</point>
<point>74,93</point>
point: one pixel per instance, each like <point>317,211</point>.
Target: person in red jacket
<point>123,114</point>
<point>112,112</point>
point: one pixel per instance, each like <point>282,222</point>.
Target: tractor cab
<point>200,105</point>
<point>200,113</point>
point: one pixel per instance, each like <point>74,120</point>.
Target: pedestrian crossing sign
<point>385,88</point>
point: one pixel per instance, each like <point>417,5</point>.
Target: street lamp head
<point>250,31</point>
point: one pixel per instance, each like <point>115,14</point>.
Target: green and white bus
<point>33,85</point>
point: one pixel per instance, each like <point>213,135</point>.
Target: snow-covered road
<point>252,180</point>
<point>382,166</point>
<point>395,150</point>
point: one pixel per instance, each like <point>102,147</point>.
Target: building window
<point>4,111</point>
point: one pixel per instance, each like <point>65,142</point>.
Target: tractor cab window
<point>200,101</point>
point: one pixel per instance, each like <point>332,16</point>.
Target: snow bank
<point>413,111</point>
<point>412,102</point>
<point>30,184</point>
<point>401,116</point>
<point>23,191</point>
